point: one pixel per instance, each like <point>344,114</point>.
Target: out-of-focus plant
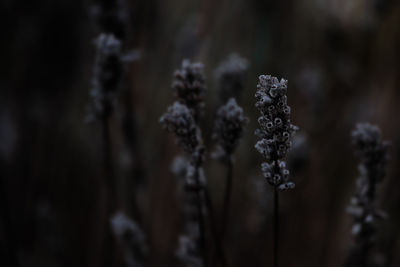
<point>373,154</point>
<point>275,132</point>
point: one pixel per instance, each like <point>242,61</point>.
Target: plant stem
<point>200,215</point>
<point>107,159</point>
<point>227,198</point>
<point>217,240</point>
<point>110,191</point>
<point>276,225</point>
<point>8,231</point>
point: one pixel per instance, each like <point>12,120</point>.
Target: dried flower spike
<point>372,152</point>
<point>229,127</point>
<point>275,130</point>
<point>179,120</point>
<point>106,74</point>
<point>189,86</point>
<point>132,238</point>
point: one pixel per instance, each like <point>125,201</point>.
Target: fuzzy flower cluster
<point>275,130</point>
<point>187,252</point>
<point>373,154</point>
<point>107,74</point>
<point>189,86</point>
<point>229,128</point>
<point>132,237</point>
<point>179,120</point>
<point>230,76</point>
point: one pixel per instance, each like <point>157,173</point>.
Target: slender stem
<point>108,162</point>
<point>110,192</point>
<point>217,240</point>
<point>227,198</point>
<point>200,215</point>
<point>276,226</point>
<point>11,251</point>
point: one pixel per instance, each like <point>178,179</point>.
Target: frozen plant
<point>373,154</point>
<point>275,130</point>
<point>181,118</point>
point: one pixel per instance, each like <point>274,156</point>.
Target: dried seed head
<point>229,127</point>
<point>179,120</point>
<point>275,129</point>
<point>107,73</point>
<point>189,86</point>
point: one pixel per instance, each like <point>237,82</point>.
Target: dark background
<point>342,61</point>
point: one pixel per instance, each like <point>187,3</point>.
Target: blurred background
<point>341,58</point>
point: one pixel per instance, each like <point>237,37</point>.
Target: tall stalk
<point>275,133</point>
<point>363,208</point>
<point>276,226</point>
<point>227,197</point>
<point>200,215</point>
<point>217,240</point>
<point>110,192</point>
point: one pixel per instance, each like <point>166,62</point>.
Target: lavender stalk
<point>275,132</point>
<point>372,152</point>
<point>228,130</point>
<point>105,84</point>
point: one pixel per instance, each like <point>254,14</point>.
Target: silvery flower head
<point>179,120</point>
<point>106,74</point>
<point>228,129</point>
<point>230,76</point>
<point>275,129</point>
<point>189,86</point>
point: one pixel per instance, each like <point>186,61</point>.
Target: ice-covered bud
<point>229,127</point>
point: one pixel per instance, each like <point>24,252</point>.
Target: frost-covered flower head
<point>189,86</point>
<point>230,76</point>
<point>179,120</point>
<point>229,127</point>
<point>132,237</point>
<point>106,74</point>
<point>275,129</point>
